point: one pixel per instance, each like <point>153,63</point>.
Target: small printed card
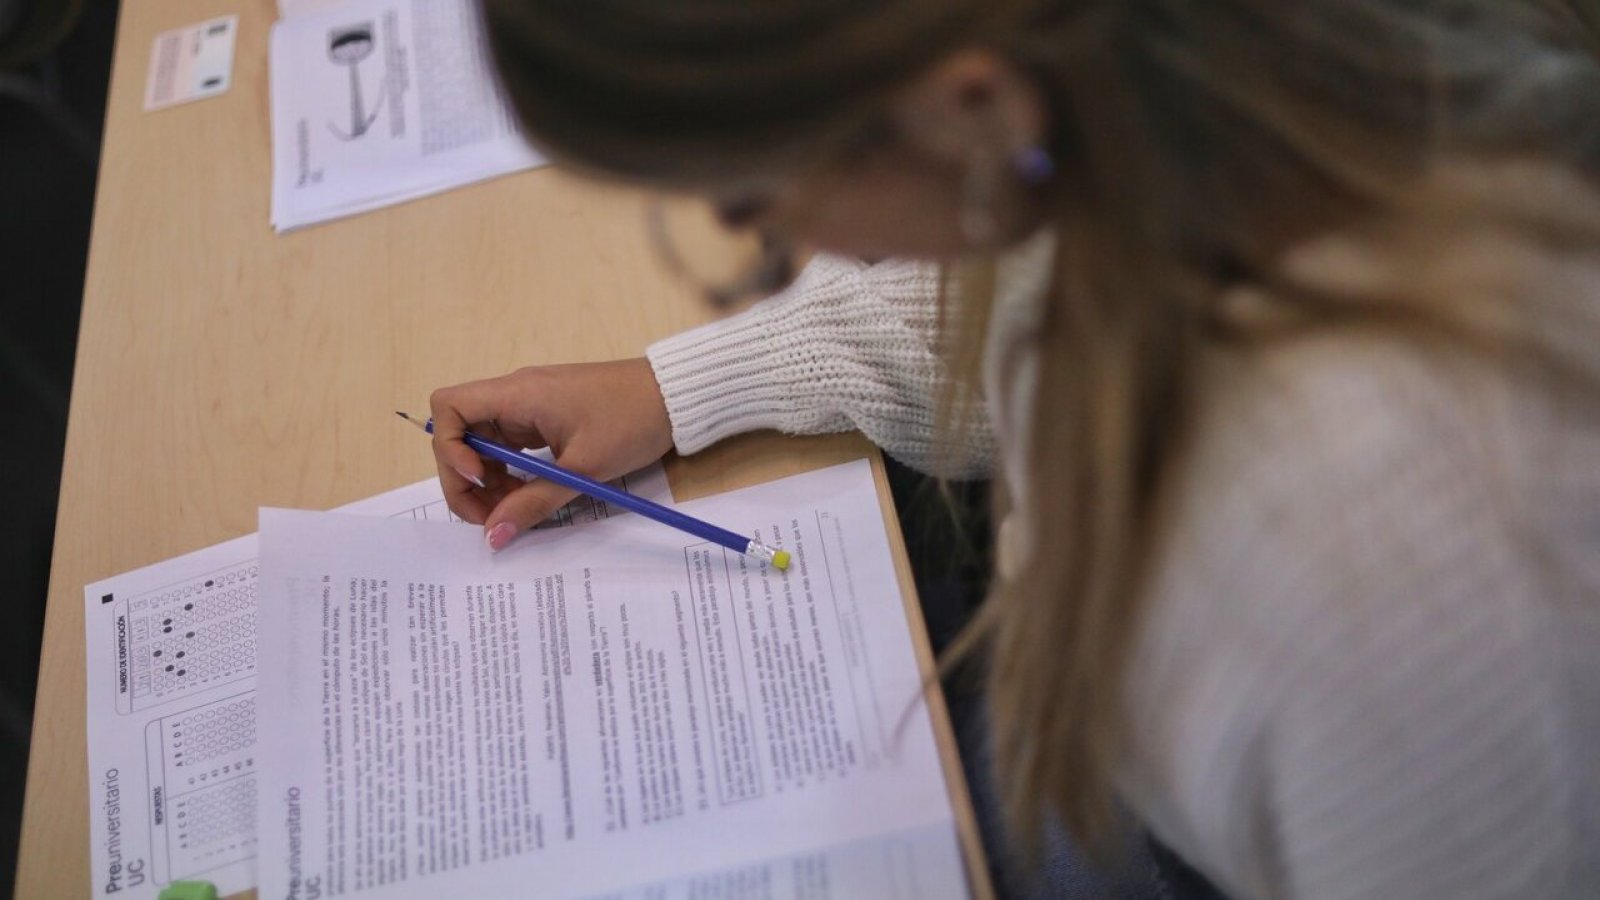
<point>191,63</point>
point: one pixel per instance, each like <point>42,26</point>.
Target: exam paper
<point>171,657</point>
<point>379,101</point>
<point>619,710</point>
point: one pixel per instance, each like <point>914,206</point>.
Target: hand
<point>600,419</point>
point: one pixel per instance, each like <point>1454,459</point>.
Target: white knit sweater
<point>1370,664</point>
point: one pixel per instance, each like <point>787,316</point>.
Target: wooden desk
<point>222,367</point>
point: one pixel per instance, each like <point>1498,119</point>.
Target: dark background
<point>55,60</point>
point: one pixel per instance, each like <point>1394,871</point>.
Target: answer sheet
<point>171,656</point>
<point>379,101</point>
<point>618,710</point>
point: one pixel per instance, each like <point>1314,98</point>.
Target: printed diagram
<point>202,787</point>
<point>348,47</point>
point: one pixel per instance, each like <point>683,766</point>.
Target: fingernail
<point>501,535</point>
<point>472,478</point>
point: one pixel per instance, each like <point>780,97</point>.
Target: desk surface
<point>222,367</point>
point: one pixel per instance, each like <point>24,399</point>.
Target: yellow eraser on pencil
<point>780,559</point>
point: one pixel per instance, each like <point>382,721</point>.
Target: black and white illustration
<point>375,102</point>
<point>348,47</point>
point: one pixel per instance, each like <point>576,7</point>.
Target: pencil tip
<point>416,422</point>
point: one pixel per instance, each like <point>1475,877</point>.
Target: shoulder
<point>1354,647</point>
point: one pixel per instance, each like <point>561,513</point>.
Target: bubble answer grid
<point>193,635</point>
<point>202,761</point>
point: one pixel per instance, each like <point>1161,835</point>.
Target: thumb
<point>522,509</point>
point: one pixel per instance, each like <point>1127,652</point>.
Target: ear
<point>972,102</point>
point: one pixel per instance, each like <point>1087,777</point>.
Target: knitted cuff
<point>730,376</point>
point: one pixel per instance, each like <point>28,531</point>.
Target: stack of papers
<point>609,709</point>
<point>375,102</point>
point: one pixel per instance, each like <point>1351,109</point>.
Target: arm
<point>848,346</point>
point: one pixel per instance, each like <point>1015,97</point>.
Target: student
<point>1280,322</point>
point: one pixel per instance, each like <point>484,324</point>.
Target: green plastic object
<point>189,890</point>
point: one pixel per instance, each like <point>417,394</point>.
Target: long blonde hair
<point>1195,143</point>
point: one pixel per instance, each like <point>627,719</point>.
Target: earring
<point>1034,165</point>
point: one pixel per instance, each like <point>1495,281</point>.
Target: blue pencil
<point>567,478</point>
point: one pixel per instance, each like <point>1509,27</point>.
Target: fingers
<point>471,487</point>
<point>473,501</point>
<point>522,509</point>
<point>600,419</point>
<point>453,409</point>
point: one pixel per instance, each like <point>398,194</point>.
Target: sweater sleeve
<point>847,346</point>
